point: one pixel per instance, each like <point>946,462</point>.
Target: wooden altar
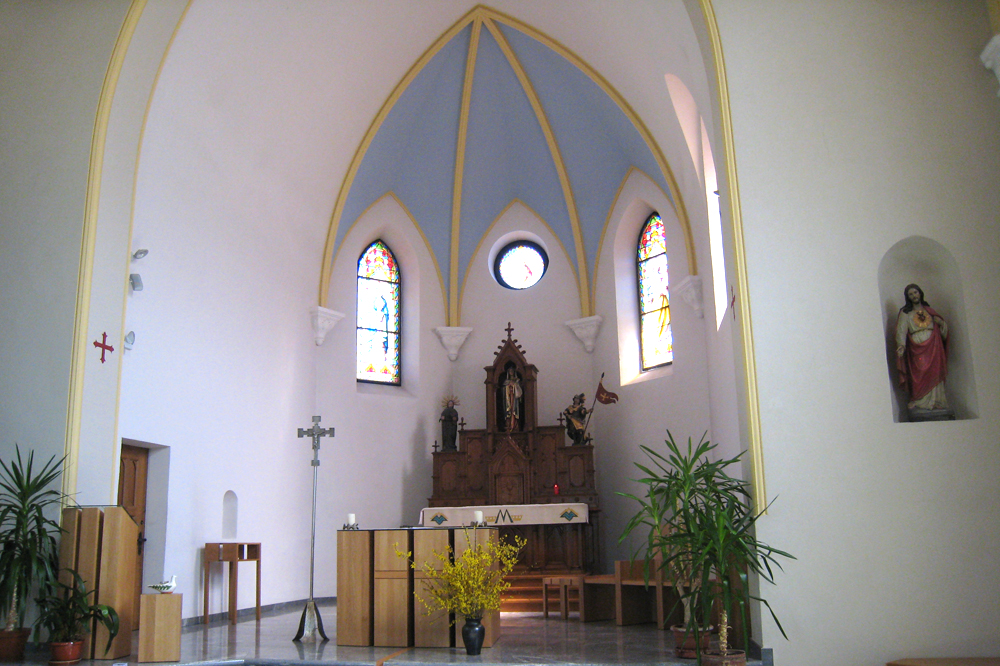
<point>516,461</point>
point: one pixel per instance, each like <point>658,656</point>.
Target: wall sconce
<point>135,280</point>
<point>129,339</point>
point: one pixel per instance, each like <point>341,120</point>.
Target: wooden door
<point>132,497</point>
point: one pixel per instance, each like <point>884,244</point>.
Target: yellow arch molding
<point>550,139</point>
<point>85,276</point>
<point>479,246</point>
<point>610,90</point>
<point>742,286</point>
<point>392,195</point>
<point>359,154</point>
<point>607,223</point>
<point>456,201</point>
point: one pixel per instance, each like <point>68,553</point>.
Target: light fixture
<point>129,339</point>
<point>139,254</point>
<point>135,280</point>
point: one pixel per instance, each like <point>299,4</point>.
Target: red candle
<point>555,489</point>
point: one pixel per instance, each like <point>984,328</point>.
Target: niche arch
<point>928,263</point>
<point>230,514</point>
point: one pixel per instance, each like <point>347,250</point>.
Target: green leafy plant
<point>66,611</point>
<point>699,524</point>
<point>28,550</point>
<point>472,584</point>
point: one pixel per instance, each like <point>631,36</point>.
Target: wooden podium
<point>101,544</point>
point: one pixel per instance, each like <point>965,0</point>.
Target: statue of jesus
<point>512,400</point>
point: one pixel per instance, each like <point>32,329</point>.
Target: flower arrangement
<point>470,585</point>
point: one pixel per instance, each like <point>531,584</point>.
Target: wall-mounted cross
<point>103,345</point>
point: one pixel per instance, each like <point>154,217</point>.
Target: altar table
<point>498,515</point>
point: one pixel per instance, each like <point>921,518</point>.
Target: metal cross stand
<point>311,624</point>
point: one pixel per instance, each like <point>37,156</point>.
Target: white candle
<point>477,516</point>
<point>351,519</point>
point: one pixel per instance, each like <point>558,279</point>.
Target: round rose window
<point>520,264</point>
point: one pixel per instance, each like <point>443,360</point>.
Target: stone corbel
<point>586,330</point>
<point>991,57</point>
<point>323,321</point>
<point>452,338</point>
<point>689,290</point>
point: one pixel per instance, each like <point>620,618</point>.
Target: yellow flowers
<point>473,583</point>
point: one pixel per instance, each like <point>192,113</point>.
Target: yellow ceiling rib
<point>359,154</point>
<point>567,188</point>
<point>456,199</point>
<point>482,239</point>
<point>629,112</point>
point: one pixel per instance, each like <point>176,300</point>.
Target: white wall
<point>54,58</point>
<point>860,124</point>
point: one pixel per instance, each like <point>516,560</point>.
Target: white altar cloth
<point>498,515</point>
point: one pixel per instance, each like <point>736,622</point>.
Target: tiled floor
<point>527,639</point>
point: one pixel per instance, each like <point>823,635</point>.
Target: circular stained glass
<point>520,264</point>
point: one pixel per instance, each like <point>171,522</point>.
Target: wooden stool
<point>564,583</point>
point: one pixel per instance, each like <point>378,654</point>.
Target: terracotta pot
<point>12,644</point>
<point>684,645</point>
<point>716,658</point>
<point>66,653</point>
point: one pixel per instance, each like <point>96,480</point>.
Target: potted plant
<point>66,612</point>
<point>700,524</point>
<point>470,584</point>
<point>28,549</point>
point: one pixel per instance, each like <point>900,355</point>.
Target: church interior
<point>805,160</point>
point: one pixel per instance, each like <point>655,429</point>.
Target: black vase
<point>473,635</point>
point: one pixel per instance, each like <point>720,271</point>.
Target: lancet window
<point>656,341</point>
<point>378,315</point>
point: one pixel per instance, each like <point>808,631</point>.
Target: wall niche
<point>929,264</point>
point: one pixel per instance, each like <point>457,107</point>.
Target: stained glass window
<point>656,341</point>
<point>378,315</point>
<point>520,264</point>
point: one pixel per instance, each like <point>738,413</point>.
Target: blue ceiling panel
<point>597,140</point>
<point>506,155</point>
<point>413,152</point>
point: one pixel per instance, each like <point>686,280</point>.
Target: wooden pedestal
<point>355,602</point>
<point>160,627</point>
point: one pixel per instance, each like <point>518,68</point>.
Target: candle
<point>351,519</point>
<point>477,517</point>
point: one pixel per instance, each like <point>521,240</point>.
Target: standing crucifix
<point>311,623</point>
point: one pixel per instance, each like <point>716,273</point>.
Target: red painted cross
<point>103,345</point>
<point>732,303</point>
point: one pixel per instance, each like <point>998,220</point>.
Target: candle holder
<point>481,523</point>
<point>351,526</point>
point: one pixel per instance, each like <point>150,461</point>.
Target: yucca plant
<point>29,553</point>
<point>700,526</point>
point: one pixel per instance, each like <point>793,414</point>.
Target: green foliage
<point>700,529</point>
<point>66,611</point>
<point>473,583</point>
<point>28,550</point>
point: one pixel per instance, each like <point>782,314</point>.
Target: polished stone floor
<point>527,639</point>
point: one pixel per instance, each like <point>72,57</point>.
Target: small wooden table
<point>234,553</point>
<point>563,583</point>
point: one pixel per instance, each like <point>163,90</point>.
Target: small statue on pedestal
<point>449,424</point>
<point>576,420</point>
